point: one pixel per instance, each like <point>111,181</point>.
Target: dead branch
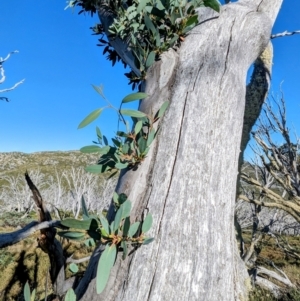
<point>284,34</point>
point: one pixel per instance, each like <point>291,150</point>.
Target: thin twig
<point>285,33</point>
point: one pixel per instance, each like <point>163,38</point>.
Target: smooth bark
<point>188,181</point>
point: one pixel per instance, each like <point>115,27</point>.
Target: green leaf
<point>73,267</point>
<point>134,96</point>
<point>162,110</point>
<point>151,137</point>
<point>214,4</point>
<point>116,142</point>
<point>125,148</point>
<point>98,132</point>
<point>126,226</point>
<point>90,118</point>
<point>70,295</point>
<point>95,149</point>
<point>141,5</point>
<point>95,235</point>
<point>149,24</point>
<point>133,113</point>
<point>142,143</point>
<point>147,223</point>
<point>32,298</point>
<point>26,292</point>
<point>121,165</point>
<point>125,250</point>
<point>148,241</point>
<point>83,207</point>
<point>99,90</point>
<point>138,127</point>
<point>116,198</point>
<point>118,219</point>
<point>104,223</point>
<point>192,20</point>
<point>77,224</point>
<point>126,209</point>
<point>90,242</point>
<point>71,235</point>
<point>150,59</point>
<point>105,264</point>
<point>133,229</point>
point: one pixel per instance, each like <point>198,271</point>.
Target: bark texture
<point>188,181</point>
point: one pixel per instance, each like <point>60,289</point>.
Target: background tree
<point>2,79</point>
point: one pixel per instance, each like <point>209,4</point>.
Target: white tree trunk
<point>188,181</point>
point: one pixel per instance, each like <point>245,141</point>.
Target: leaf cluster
<point>117,236</point>
<point>129,148</point>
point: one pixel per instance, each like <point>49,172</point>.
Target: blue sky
<point>59,59</point>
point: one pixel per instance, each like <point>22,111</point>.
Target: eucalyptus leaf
<point>126,226</point>
<point>95,168</point>
<point>151,137</point>
<point>73,267</point>
<point>104,222</point>
<point>118,219</point>
<point>138,127</point>
<point>95,149</point>
<point>26,292</point>
<point>83,207</point>
<point>90,118</point>
<point>162,109</point>
<point>193,20</point>
<point>121,165</point>
<point>99,90</point>
<point>105,264</point>
<point>125,250</point>
<point>133,113</point>
<point>141,6</point>
<point>126,209</point>
<point>149,24</point>
<point>133,229</point>
<point>134,96</point>
<point>148,241</point>
<point>214,4</point>
<point>77,224</point>
<point>99,134</point>
<point>147,223</point>
<point>150,59</point>
<point>70,295</point>
<point>71,235</point>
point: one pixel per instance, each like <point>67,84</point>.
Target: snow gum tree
<point>188,179</point>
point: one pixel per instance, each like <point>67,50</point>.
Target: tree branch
<point>284,34</point>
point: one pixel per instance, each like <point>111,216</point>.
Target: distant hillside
<point>15,163</point>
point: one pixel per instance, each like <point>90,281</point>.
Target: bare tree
<point>2,74</point>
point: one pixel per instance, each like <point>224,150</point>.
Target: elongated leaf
<point>104,223</point>
<point>71,235</point>
<point>134,96</point>
<point>73,267</point>
<point>133,113</point>
<point>83,207</point>
<point>141,5</point>
<point>192,20</point>
<point>148,241</point>
<point>126,226</point>
<point>77,224</point>
<point>151,137</point>
<point>105,264</point>
<point>125,250</point>
<point>95,149</point>
<point>90,118</point>
<point>121,165</point>
<point>99,90</point>
<point>214,4</point>
<point>70,295</point>
<point>142,143</point>
<point>32,298</point>
<point>126,208</point>
<point>26,292</point>
<point>98,132</point>
<point>150,59</point>
<point>138,127</point>
<point>133,228</point>
<point>149,24</point>
<point>118,219</point>
<point>147,223</point>
<point>162,110</point>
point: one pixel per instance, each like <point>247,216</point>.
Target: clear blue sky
<point>59,59</point>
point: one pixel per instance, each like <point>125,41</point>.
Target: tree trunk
<point>188,181</point>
